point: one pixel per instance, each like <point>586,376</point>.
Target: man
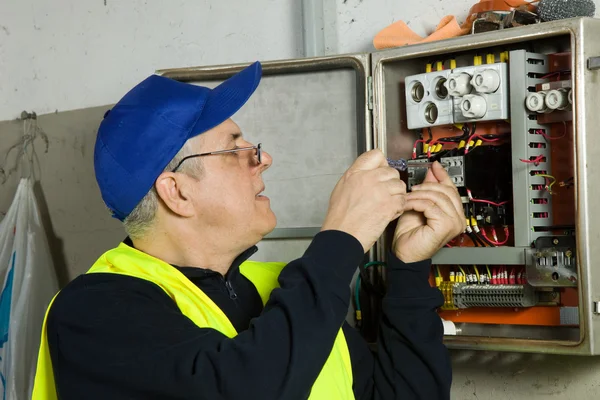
<point>177,311</point>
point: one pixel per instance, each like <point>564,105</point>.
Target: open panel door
<point>312,116</point>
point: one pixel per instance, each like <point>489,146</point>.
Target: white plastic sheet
<point>28,284</point>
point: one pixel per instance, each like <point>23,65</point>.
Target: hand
<point>366,199</point>
<point>434,216</point>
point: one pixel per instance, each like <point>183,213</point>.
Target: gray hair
<point>140,220</point>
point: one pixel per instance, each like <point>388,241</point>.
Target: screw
<point>568,253</point>
<point>555,241</point>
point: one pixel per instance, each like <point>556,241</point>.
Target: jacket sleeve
<point>411,361</point>
<point>129,341</point>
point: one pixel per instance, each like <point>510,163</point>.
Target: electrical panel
<point>498,114</point>
<point>511,119</point>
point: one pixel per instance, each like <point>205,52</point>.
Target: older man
<point>177,312</point>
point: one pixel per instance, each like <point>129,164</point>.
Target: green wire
<point>358,280</point>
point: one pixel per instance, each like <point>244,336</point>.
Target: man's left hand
<point>433,216</point>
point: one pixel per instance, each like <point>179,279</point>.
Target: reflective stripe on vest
<point>333,383</point>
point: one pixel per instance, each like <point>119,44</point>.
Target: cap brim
<point>227,98</point>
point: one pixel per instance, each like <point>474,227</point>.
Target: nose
<point>266,161</point>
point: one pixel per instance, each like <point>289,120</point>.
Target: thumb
<point>368,161</point>
<point>430,177</point>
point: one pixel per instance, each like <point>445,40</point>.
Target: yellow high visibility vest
<point>333,383</point>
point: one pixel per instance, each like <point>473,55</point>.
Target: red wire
<point>485,201</point>
<point>546,136</point>
<point>535,161</point>
<point>414,153</point>
<point>497,243</point>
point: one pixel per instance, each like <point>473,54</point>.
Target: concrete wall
<point>71,54</point>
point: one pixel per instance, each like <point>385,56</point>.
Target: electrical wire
<point>471,198</point>
<point>536,161</point>
<point>548,137</point>
<point>496,242</point>
<point>548,185</point>
<point>358,285</point>
<point>477,273</point>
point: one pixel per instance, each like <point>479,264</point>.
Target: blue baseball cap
<point>142,133</point>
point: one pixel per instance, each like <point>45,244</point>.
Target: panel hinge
<point>593,63</point>
<point>370,92</point>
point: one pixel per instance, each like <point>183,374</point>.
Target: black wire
<point>430,135</point>
<point>474,240</point>
<point>481,237</point>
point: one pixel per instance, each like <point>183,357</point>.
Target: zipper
<point>232,293</point>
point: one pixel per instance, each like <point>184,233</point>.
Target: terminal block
<point>464,295</point>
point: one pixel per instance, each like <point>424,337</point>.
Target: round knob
<point>459,84</point>
<point>557,99</point>
<point>473,106</point>
<point>487,81</point>
<point>535,102</point>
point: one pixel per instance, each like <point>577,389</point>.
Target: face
<point>227,197</point>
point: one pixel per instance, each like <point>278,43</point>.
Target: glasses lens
<point>259,153</point>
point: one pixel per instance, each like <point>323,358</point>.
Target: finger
<point>441,175</point>
<point>439,199</point>
<point>451,192</point>
<point>387,173</point>
<point>368,161</point>
<point>400,201</point>
<point>395,187</point>
<point>435,217</point>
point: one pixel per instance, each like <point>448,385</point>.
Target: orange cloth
<point>399,34</point>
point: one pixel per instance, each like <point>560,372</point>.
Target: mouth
<point>259,195</point>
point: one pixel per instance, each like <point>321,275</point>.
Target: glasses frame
<point>258,149</point>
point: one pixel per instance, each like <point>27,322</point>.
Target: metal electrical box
<point>510,114</point>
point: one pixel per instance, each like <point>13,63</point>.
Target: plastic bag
<point>28,284</point>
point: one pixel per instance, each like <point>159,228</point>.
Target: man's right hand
<point>366,199</point>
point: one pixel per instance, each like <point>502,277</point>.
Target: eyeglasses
<point>212,153</point>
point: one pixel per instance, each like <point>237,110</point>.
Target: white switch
<point>557,99</point>
<point>473,106</point>
<point>486,81</point>
<point>458,84</point>
<point>536,102</point>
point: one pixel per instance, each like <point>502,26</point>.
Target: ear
<point>175,192</point>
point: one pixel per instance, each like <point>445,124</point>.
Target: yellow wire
<point>489,273</point>
<point>462,270</point>
<point>477,273</point>
<point>549,177</point>
<point>439,272</point>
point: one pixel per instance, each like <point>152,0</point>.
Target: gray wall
<point>80,230</point>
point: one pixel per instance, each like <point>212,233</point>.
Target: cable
<point>535,161</point>
<point>486,240</point>
<point>477,273</point>
<point>414,152</point>
<point>358,285</point>
<point>496,242</point>
<point>548,137</point>
<point>487,201</point>
<point>548,185</point>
